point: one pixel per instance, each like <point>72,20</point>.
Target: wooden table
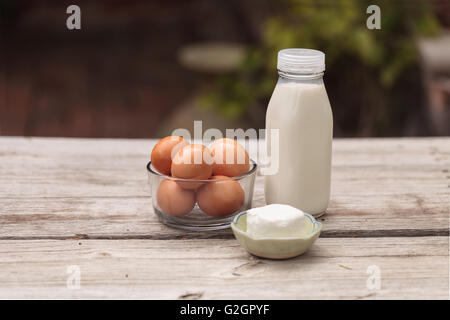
<point>82,206</point>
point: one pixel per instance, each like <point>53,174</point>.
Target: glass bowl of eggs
<point>195,187</point>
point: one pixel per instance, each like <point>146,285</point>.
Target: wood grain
<point>221,269</point>
<point>97,188</point>
<point>86,202</point>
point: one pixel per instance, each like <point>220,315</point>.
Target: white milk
<point>300,109</point>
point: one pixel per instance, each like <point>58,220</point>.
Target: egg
<point>230,158</point>
<point>164,151</point>
<point>174,200</point>
<point>220,198</point>
<point>192,162</point>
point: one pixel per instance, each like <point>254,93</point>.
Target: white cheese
<point>275,220</point>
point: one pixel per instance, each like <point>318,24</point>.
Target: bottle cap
<point>301,61</point>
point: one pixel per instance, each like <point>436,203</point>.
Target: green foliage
<point>339,29</point>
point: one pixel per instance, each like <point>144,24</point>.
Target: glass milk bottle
<point>300,110</point>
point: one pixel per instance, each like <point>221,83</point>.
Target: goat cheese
<point>275,220</point>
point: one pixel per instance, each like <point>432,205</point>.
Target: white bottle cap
<point>301,61</point>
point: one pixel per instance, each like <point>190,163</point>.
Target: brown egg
<point>220,198</point>
<point>164,151</point>
<point>192,162</point>
<point>230,158</point>
<point>174,200</point>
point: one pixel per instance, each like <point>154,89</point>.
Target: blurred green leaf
<point>339,29</point>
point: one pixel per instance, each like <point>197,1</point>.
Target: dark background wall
<point>121,75</point>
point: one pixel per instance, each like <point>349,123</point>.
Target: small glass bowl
<point>197,219</point>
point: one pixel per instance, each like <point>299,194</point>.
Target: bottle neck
<point>299,76</point>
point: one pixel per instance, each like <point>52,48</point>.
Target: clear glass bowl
<point>197,219</point>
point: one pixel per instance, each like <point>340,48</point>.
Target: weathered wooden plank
<point>122,218</point>
<point>360,151</point>
<point>97,188</point>
<point>410,268</point>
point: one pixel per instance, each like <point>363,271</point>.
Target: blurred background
<point>139,69</point>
